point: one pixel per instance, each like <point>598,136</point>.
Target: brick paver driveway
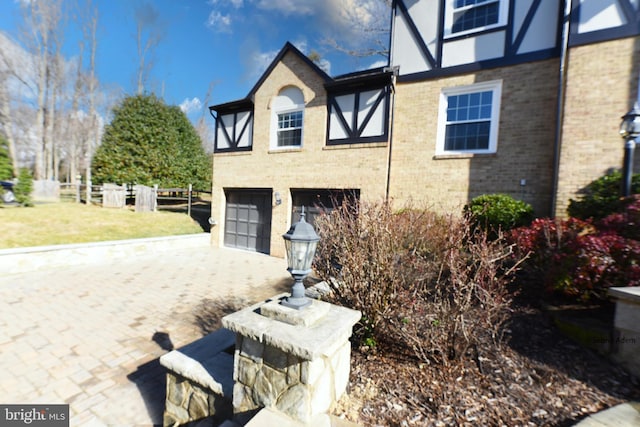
<point>90,336</point>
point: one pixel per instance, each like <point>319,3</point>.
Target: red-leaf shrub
<point>579,259</point>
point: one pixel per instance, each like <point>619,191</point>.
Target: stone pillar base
<point>199,380</point>
<point>294,361</point>
<point>625,344</point>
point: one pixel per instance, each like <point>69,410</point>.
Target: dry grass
<point>60,223</point>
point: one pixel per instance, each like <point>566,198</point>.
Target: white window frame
<point>495,86</point>
<point>276,111</point>
<point>451,10</point>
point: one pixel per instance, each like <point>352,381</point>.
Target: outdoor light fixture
<point>629,130</point>
<point>300,243</point>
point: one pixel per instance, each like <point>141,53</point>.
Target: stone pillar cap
<point>304,341</point>
<point>629,293</point>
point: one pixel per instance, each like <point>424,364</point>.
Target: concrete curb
<point>22,260</point>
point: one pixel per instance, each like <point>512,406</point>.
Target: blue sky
<point>227,43</point>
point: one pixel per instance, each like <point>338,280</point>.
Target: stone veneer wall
<point>188,401</point>
<point>266,376</point>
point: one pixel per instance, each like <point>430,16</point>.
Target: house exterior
<point>480,96</point>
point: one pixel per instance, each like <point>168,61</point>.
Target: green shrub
<point>6,168</point>
<point>423,286</point>
<point>498,212</point>
<point>23,188</point>
<point>602,197</point>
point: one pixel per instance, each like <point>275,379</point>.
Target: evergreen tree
<point>6,168</point>
<point>150,143</point>
<point>24,187</point>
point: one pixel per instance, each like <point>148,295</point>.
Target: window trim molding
<point>496,87</point>
<point>273,144</point>
<point>503,19</point>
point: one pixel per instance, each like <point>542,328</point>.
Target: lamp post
<point>629,130</point>
<point>300,243</point>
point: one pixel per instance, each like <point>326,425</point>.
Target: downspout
<point>390,145</point>
<point>211,220</point>
<point>564,50</point>
<point>395,70</point>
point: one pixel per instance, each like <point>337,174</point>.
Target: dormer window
<point>469,16</point>
<point>287,119</point>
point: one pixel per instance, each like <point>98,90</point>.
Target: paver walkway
<point>85,335</point>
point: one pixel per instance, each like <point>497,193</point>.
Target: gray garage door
<point>248,220</point>
<point>319,201</point>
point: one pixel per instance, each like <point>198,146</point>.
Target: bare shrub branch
<point>423,281</point>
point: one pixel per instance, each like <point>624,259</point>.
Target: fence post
<point>89,190</point>
<point>155,197</point>
<point>78,184</point>
<point>189,202</point>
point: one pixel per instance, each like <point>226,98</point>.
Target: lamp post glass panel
<point>629,130</point>
<point>300,243</point>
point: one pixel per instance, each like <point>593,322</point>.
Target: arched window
<point>287,118</point>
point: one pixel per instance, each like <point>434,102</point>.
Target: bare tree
<point>42,25</point>
<point>148,35</point>
<point>368,28</point>
<point>92,140</point>
<point>8,76</point>
<point>202,127</point>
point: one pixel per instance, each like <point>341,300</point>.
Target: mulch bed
<point>537,377</point>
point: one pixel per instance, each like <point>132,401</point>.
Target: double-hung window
<point>468,119</point>
<point>290,129</point>
<point>467,16</point>
<point>287,119</point>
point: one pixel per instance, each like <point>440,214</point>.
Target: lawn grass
<point>61,223</point>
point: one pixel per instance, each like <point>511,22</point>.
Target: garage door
<point>319,201</point>
<point>248,220</point>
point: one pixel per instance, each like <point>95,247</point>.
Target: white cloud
<point>218,22</point>
<point>378,64</point>
<point>325,65</point>
<point>291,7</point>
<point>235,3</point>
<point>189,106</point>
<point>259,61</point>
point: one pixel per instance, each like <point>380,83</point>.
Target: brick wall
<point>602,85</point>
<point>359,166</point>
<point>524,150</point>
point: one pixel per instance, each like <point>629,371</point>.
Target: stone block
<point>199,380</point>
<point>311,370</point>
<point>263,392</point>
<point>198,406</point>
<point>341,365</point>
<point>626,341</point>
<point>322,338</point>
<point>308,316</point>
<point>295,402</point>
<point>293,370</point>
<point>252,349</point>
<point>322,394</point>
<point>242,399</point>
<point>275,357</point>
<point>291,367</point>
<point>246,371</point>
